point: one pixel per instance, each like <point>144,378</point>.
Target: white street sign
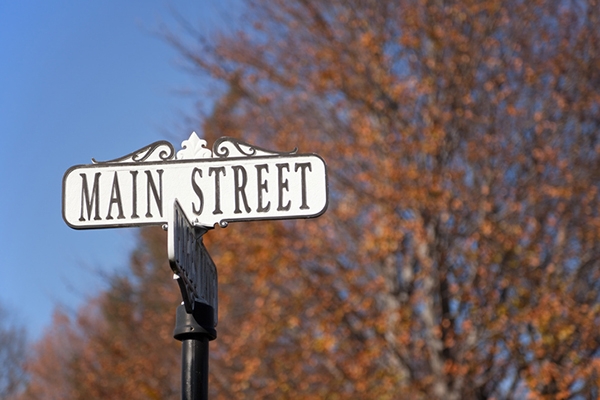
<point>194,269</point>
<point>235,181</point>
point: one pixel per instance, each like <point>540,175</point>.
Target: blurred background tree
<point>459,257</point>
<point>13,353</point>
<point>120,345</point>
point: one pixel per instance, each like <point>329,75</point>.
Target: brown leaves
<point>459,257</point>
<point>120,344</point>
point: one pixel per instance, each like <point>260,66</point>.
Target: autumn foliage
<point>459,257</point>
<point>120,345</point>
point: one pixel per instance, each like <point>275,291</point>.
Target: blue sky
<point>77,80</point>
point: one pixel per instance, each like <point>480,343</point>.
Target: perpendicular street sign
<point>236,181</point>
<point>194,269</point>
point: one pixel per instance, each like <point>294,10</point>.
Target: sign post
<point>189,193</point>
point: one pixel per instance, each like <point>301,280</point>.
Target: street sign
<point>194,269</point>
<point>235,181</point>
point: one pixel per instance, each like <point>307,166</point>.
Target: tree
<point>459,257</point>
<point>120,344</point>
<point>13,343</point>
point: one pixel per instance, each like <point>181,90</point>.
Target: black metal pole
<point>194,331</point>
<point>194,369</point>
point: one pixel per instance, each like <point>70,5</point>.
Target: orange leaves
<point>459,254</point>
<point>105,357</point>
<point>367,39</point>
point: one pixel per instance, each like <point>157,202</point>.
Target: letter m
<point>90,201</point>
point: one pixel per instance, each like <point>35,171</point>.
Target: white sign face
<point>194,269</point>
<point>234,182</point>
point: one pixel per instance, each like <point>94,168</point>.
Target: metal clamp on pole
<point>194,331</point>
